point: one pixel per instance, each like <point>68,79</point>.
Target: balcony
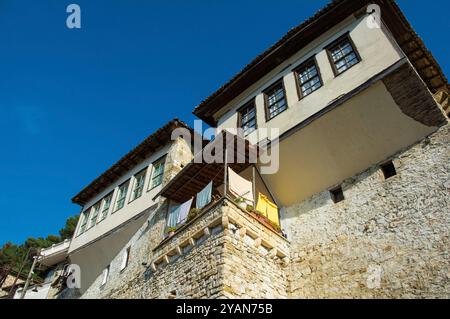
<point>55,253</point>
<point>224,218</point>
<point>233,174</point>
<point>221,216</point>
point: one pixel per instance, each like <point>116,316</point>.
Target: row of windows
<point>99,211</point>
<point>342,55</point>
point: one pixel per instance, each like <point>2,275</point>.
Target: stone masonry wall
<point>179,155</point>
<point>248,272</point>
<point>387,239</point>
<point>224,262</point>
<point>195,273</point>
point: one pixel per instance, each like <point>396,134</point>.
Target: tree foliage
<point>69,228</point>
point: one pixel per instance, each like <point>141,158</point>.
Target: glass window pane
<point>309,79</point>
<point>276,100</point>
<point>344,56</point>
<point>248,119</point>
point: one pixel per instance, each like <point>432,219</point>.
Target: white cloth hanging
<point>240,187</point>
<point>184,211</point>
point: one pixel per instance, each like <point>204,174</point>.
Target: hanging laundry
<point>268,209</point>
<point>174,212</point>
<point>240,187</point>
<point>204,196</point>
<point>184,211</point>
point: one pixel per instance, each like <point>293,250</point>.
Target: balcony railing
<point>55,248</point>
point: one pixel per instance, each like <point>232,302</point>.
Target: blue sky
<point>74,101</point>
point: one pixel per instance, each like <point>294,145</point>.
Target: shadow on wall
<point>98,255</point>
<point>155,219</point>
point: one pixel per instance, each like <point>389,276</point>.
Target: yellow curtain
<point>267,209</point>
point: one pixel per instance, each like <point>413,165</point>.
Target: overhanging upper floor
<point>397,29</point>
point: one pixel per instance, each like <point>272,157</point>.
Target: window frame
<point>85,217</point>
<point>343,38</point>
<point>157,161</point>
<point>125,259</point>
<point>99,204</point>
<point>118,196</point>
<point>142,172</point>
<point>303,65</point>
<point>103,207</point>
<point>105,275</point>
<point>251,103</point>
<point>266,100</point>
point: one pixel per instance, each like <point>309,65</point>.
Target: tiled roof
<point>150,145</point>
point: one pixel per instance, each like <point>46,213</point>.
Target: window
<point>275,98</point>
<point>106,205</point>
<point>308,78</point>
<point>125,259</point>
<point>337,195</point>
<point>105,275</point>
<point>122,195</point>
<point>84,221</point>
<point>95,210</point>
<point>342,55</point>
<point>139,180</point>
<point>247,118</point>
<point>388,170</point>
<point>158,173</point>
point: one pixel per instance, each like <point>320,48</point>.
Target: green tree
<point>12,256</point>
<point>69,228</point>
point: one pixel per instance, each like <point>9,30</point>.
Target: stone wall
<point>252,269</point>
<point>387,239</point>
<point>201,260</point>
<point>179,155</point>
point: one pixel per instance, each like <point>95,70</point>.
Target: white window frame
<point>102,214</point>
<point>85,216</point>
<point>120,198</point>
<point>125,259</point>
<point>142,174</point>
<point>95,211</point>
<point>160,161</point>
<point>105,275</point>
